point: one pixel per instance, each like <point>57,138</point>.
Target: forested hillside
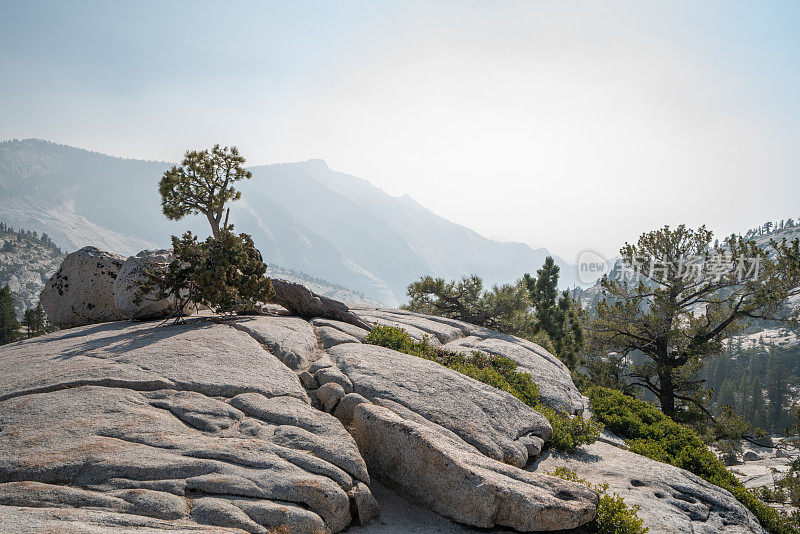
<point>27,260</point>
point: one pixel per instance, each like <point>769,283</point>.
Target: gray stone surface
<point>750,456</point>
<point>433,326</point>
<point>201,356</point>
<point>206,426</point>
<point>347,328</point>
<point>291,339</point>
<point>382,319</point>
<point>301,301</point>
<point>133,272</point>
<point>129,454</point>
<point>82,290</point>
<point>174,427</point>
<point>460,483</point>
<point>68,520</point>
<point>332,374</point>
<point>552,376</point>
<point>329,395</point>
<point>329,336</point>
<point>308,380</point>
<point>487,418</point>
<point>672,500</point>
<point>347,404</point>
<point>364,506</point>
<point>401,514</point>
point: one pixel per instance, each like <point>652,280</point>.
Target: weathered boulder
<point>672,500</point>
<point>213,359</point>
<point>329,336</point>
<point>175,426</point>
<point>300,300</point>
<point>82,290</point>
<point>488,419</point>
<point>329,395</point>
<point>460,483</point>
<point>131,272</point>
<point>438,329</point>
<point>346,328</point>
<point>451,442</point>
<point>549,373</point>
<point>69,520</point>
<point>364,505</point>
<point>750,456</point>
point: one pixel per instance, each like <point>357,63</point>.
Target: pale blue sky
<point>562,124</point>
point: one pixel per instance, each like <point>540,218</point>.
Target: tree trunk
<point>666,396</point>
<point>214,225</point>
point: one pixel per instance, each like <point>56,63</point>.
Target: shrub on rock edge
<point>650,433</point>
<point>497,371</point>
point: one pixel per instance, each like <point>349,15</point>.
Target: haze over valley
<point>303,216</point>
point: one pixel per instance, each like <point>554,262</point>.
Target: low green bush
<point>497,371</point>
<point>614,516</point>
<point>786,486</point>
<point>651,433</point>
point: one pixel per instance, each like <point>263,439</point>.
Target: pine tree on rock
<point>677,321</point>
<point>203,184</point>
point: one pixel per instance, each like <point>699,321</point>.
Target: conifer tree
<point>504,308</point>
<point>727,395</point>
<point>9,325</point>
<point>557,315</point>
<point>776,394</point>
<point>34,321</point>
<point>226,272</point>
<point>758,407</point>
<point>203,184</point>
<point>658,314</point>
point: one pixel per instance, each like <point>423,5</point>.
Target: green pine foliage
<point>231,276</point>
<point>652,434</point>
<point>737,376</point>
<point>614,516</point>
<point>558,315</point>
<point>9,325</point>
<point>786,489</point>
<point>225,274</point>
<point>497,371</point>
<point>35,321</point>
<point>656,316</point>
<point>503,308</point>
<point>202,184</point>
<point>531,308</point>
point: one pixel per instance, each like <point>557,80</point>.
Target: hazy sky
<point>563,124</point>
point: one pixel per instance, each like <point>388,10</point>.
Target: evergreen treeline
<point>25,236</point>
<point>34,320</point>
<point>755,383</point>
<point>770,227</point>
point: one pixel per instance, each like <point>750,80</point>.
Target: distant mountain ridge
<point>302,216</point>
